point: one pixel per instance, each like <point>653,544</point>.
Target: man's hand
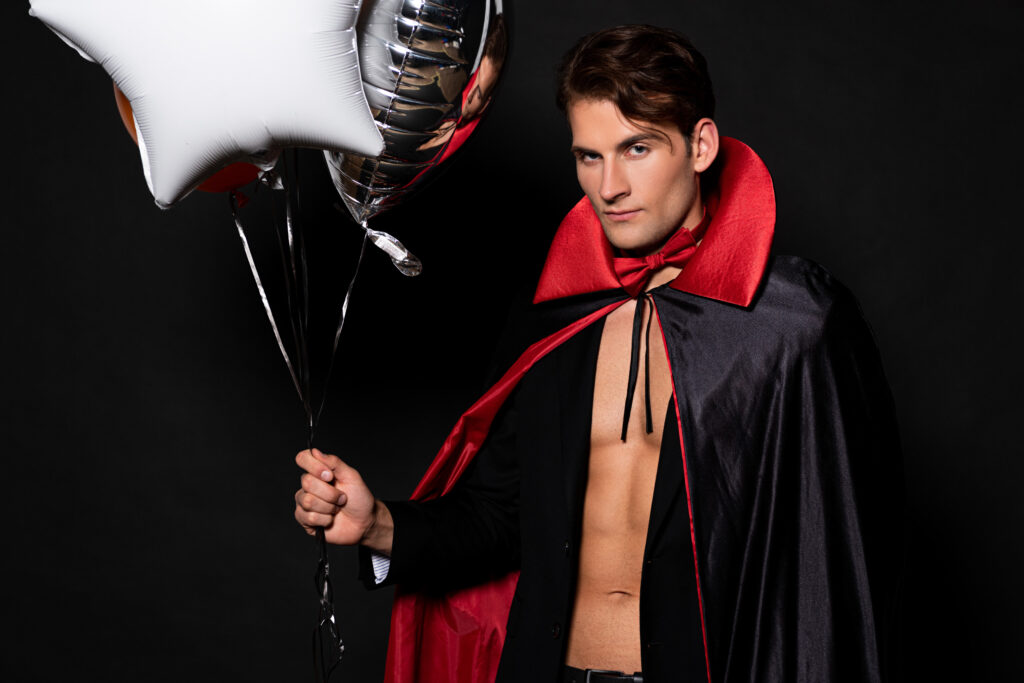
<point>333,496</point>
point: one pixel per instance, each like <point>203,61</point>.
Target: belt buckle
<point>602,672</point>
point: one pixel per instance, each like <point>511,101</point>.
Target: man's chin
<point>626,241</point>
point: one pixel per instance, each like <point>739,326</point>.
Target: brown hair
<point>651,74</point>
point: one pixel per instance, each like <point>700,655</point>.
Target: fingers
<point>317,502</point>
<point>328,504</point>
<point>321,491</point>
<point>312,519</point>
<point>329,468</point>
<point>318,464</point>
<point>328,485</point>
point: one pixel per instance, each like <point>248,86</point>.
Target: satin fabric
<point>793,473</point>
<point>459,637</point>
<point>732,255</point>
<point>634,272</point>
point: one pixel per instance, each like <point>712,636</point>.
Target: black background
<point>149,425</point>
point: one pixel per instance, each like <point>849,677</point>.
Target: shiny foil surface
<point>429,68</point>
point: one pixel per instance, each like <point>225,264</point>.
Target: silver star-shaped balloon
<point>212,82</point>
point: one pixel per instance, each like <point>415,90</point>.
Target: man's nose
<point>614,183</point>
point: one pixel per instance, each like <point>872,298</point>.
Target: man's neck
<point>669,273</point>
<point>661,276</point>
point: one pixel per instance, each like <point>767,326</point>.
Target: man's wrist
<point>380,534</point>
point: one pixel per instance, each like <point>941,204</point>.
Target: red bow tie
<point>634,272</point>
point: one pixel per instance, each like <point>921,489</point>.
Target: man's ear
<point>704,144</point>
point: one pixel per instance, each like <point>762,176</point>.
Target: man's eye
<point>587,157</point>
<point>638,150</point>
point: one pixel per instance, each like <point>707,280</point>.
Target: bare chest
<point>605,629</point>
<point>611,386</point>
<point>621,474</point>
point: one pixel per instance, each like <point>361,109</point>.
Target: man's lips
<point>620,215</point>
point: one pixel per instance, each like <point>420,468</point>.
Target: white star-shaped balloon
<point>213,82</point>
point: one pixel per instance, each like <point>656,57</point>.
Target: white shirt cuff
<point>381,566</point>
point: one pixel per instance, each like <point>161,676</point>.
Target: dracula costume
<point>773,547</point>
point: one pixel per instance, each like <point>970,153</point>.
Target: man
<point>690,472</point>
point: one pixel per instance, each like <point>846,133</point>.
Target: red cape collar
<point>727,266</point>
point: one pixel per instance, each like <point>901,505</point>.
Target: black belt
<point>574,675</point>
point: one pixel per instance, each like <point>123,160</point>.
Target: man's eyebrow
<point>624,144</point>
<point>637,139</point>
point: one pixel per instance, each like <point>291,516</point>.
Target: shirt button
<point>566,548</point>
<point>556,630</point>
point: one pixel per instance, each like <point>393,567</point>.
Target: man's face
<point>480,95</point>
<point>641,181</point>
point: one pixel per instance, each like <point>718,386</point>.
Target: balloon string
<point>328,645</point>
<point>337,332</point>
<point>263,294</point>
<point>285,244</point>
<point>300,283</point>
<point>327,642</point>
<point>327,627</point>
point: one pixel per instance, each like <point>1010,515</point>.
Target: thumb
<point>330,461</point>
